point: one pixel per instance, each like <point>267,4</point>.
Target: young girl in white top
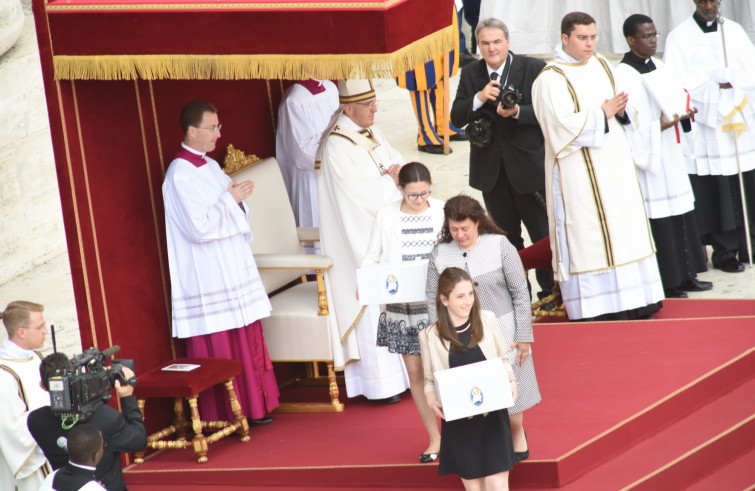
<point>406,231</point>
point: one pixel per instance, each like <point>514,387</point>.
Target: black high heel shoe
<point>519,456</point>
<point>426,458</point>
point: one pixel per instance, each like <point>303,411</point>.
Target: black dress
<point>479,446</point>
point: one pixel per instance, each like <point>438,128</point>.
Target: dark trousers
<point>509,209</point>
<point>719,214</point>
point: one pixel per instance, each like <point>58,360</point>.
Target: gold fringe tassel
<point>245,67</point>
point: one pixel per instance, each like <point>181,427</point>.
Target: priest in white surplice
<point>22,464</point>
<point>304,113</point>
<point>603,251</point>
<point>725,99</point>
<point>358,175</point>
<point>661,165</point>
<point>216,292</point>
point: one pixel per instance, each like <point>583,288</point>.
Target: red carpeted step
<point>725,423</point>
<point>736,475</point>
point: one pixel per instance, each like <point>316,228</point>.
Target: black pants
<point>509,209</point>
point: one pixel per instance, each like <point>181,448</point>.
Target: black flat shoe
<point>433,149</point>
<point>426,458</point>
<point>674,293</point>
<point>387,400</point>
<point>695,285</point>
<point>520,456</point>
<point>730,265</point>
<point>261,421</point>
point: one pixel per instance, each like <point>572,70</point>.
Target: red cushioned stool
<point>187,385</point>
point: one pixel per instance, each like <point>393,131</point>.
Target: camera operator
<point>122,431</point>
<point>506,159</point>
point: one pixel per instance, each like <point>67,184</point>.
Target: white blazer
<point>385,239</point>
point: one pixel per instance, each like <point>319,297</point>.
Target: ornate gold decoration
<point>322,298</point>
<point>236,160</point>
<point>555,297</point>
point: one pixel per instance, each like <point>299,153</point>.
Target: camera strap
<point>506,70</point>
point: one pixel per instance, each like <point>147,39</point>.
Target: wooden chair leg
<point>139,456</point>
<point>179,420</point>
<point>333,387</point>
<point>199,441</point>
<point>242,425</point>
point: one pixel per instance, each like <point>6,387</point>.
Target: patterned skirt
<point>399,326</point>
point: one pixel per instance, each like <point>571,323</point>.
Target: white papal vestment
<point>352,189</point>
<point>603,251</point>
<point>21,459</point>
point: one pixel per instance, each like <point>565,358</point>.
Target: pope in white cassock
<point>603,251</point>
<point>22,464</point>
<point>217,295</point>
<point>358,175</point>
<point>714,60</point>
<point>304,113</point>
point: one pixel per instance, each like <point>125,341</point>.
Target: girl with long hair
<point>479,448</point>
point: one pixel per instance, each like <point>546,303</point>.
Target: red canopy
<point>255,39</point>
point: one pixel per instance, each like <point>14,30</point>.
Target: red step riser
<point>555,473</point>
<point>716,453</point>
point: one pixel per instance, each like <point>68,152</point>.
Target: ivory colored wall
<point>31,225</point>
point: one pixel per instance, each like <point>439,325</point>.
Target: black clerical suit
<point>510,171</point>
<point>121,432</point>
<point>72,477</point>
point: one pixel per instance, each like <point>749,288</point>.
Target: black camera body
<point>509,96</point>
<point>77,392</point>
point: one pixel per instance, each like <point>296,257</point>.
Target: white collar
<point>81,466</point>
<point>349,124</point>
<point>11,350</point>
<point>187,147</point>
<point>563,56</point>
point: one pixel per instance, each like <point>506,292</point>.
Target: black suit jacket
<point>122,432</point>
<point>71,478</point>
<point>517,143</point>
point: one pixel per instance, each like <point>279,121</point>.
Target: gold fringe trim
<point>245,67</point>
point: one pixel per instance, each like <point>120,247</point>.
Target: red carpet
<point>606,387</point>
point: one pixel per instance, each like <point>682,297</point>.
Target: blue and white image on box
<point>474,389</point>
<point>385,283</point>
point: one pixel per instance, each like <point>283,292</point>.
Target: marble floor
<point>50,283</point>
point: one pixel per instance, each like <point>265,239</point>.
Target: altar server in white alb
<point>23,466</point>
<point>304,113</point>
<point>603,252</point>
<point>661,165</point>
<point>358,176</point>
<point>216,292</point>
<point>713,58</point>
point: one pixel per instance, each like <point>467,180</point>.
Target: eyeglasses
<point>416,196</point>
<point>368,104</point>
<point>648,36</point>
<point>211,128</point>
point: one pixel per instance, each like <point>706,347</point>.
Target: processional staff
<point>736,132</point>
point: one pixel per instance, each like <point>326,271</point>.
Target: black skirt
<point>479,446</point>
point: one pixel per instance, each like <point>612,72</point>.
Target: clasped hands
<point>241,190</point>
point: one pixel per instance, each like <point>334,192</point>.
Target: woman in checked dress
<point>471,241</point>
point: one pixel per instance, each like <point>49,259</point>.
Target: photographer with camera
<point>507,154</point>
<point>122,431</point>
